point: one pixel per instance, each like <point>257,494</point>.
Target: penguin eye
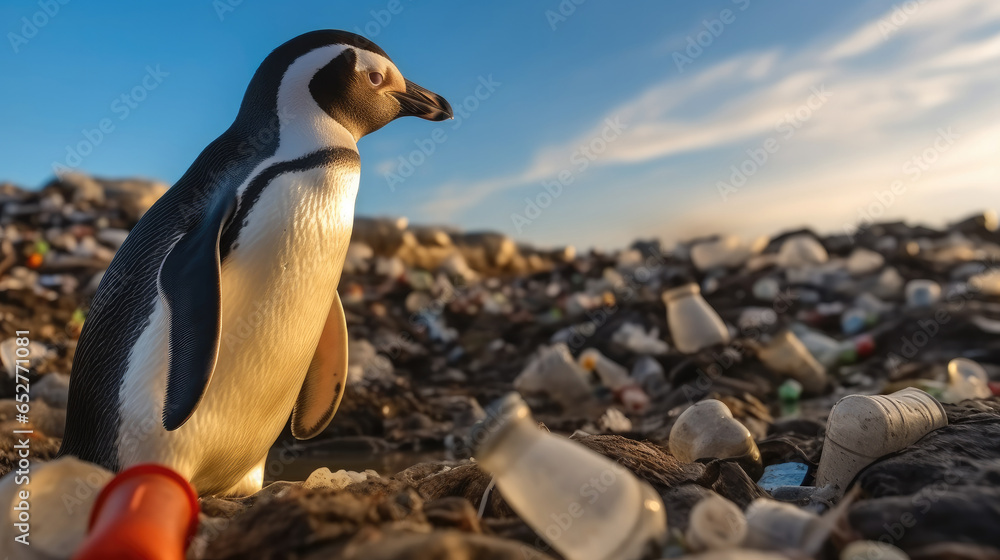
<point>375,78</point>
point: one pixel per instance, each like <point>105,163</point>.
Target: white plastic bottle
<point>693,323</point>
<point>585,505</point>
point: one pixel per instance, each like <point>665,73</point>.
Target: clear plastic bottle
<point>585,505</point>
<point>693,323</point>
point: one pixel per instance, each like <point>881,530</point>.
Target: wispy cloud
<point>893,80</point>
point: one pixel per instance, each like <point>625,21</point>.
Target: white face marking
<point>304,126</point>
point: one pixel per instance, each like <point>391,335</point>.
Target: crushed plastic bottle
<point>550,481</point>
<point>693,323</point>
<point>862,428</point>
<point>707,430</point>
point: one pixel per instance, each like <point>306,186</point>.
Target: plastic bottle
<point>862,428</point>
<point>707,430</point>
<point>693,323</point>
<point>147,512</point>
<point>585,505</point>
<point>786,355</point>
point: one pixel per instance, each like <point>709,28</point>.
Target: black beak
<point>419,102</point>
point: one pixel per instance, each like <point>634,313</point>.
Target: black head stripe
<point>331,85</point>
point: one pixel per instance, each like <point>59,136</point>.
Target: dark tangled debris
<point>442,322</point>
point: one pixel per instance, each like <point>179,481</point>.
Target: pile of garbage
<point>805,395</point>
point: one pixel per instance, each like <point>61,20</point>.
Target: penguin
<point>219,318</point>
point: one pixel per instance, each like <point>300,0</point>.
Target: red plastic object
<point>865,346</point>
<point>147,512</point>
<point>995,387</point>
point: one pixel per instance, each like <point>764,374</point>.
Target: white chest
<point>278,283</point>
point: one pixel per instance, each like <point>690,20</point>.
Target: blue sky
<point>834,111</point>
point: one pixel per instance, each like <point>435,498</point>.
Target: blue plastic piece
<point>784,474</point>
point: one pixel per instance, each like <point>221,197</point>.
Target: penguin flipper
<point>324,385</point>
<point>189,282</point>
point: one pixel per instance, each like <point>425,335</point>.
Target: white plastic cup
<point>583,504</point>
<point>693,323</point>
<point>862,428</point>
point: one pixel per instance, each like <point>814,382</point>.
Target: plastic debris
<point>867,550</point>
<point>707,430</point>
<point>147,511</point>
<point>57,528</point>
<point>786,355</point>
<point>775,525</point>
<point>616,378</point>
<point>324,478</point>
<point>725,252</point>
<point>693,323</point>
<point>966,380</point>
<point>553,372</point>
<point>922,293</point>
<point>715,524</point>
<point>782,475</point>
<point>862,428</point>
<point>801,250</point>
<point>542,476</point>
<point>638,340</point>
<point>862,262</point>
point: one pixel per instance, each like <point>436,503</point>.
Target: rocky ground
<point>444,322</point>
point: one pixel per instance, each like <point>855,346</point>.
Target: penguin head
<point>334,81</point>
